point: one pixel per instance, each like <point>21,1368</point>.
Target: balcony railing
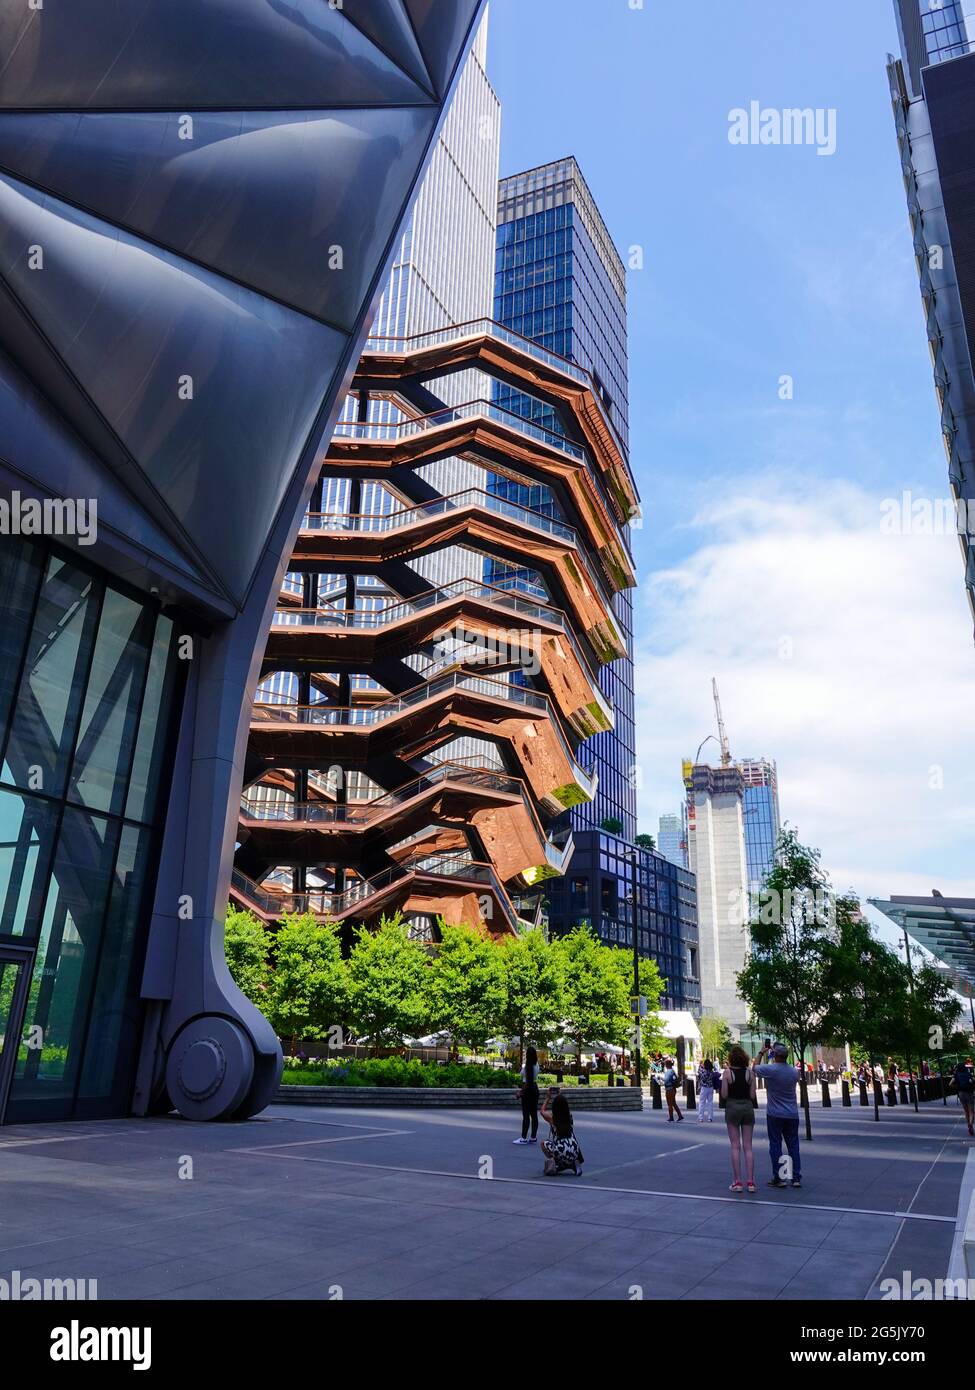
<point>384,523</point>
<point>474,328</point>
<point>333,616</point>
<point>451,415</point>
<point>361,813</point>
<point>336,716</point>
<point>371,620</point>
<point>324,902</point>
<point>456,501</point>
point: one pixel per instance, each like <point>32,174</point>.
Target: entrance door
<point>15,970</point>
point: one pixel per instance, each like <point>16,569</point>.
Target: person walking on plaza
<point>781,1115</point>
<point>708,1078</point>
<point>528,1094</point>
<point>963,1084</point>
<point>740,1096</point>
<point>670,1090</point>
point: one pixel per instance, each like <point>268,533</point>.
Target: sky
<point>766,558</point>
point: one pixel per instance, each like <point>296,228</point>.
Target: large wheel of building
<point>209,1069</point>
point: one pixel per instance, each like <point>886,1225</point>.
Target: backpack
<point>964,1081</point>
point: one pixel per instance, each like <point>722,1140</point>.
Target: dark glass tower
<point>760,815</point>
<point>933,93</point>
<point>559,281</point>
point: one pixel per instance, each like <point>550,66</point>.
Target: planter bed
<point>614,1098</point>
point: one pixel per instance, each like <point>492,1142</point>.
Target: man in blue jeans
<point>781,1115</point>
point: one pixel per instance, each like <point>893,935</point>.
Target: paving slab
<point>407,1204</point>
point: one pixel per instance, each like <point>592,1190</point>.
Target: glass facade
<point>90,685</point>
<point>672,838</point>
<point>560,282</point>
<point>598,889</point>
<point>943,26</point>
<point>760,816</point>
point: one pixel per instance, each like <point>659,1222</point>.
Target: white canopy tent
<point>678,1023</point>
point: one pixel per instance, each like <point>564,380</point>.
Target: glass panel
<point>9,970</point>
<point>20,574</point>
<point>107,731</point>
<point>67,956</point>
<point>116,1015</point>
<point>150,748</point>
<point>45,716</point>
<point>27,830</point>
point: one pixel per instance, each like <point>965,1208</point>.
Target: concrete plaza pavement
<point>367,1203</point>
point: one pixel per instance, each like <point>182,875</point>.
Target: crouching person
<point>561,1149</point>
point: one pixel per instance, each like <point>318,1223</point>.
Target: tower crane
<point>722,732</point>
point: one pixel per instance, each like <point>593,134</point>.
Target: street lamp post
<point>910,985</point>
<point>634,915</point>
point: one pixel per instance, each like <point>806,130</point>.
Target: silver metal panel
<point>35,443</point>
<point>212,388</point>
<point>299,205</point>
<point>441,30</point>
<point>173,54</point>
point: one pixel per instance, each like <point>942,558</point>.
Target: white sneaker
<point>521,1141</point>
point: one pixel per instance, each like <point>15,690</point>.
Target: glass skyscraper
<point>760,813</point>
<point>672,838</point>
<point>559,281</point>
<point>932,89</point>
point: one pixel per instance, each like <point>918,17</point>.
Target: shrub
<point>395,1071</point>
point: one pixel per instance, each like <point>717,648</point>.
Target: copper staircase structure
<point>354,805</point>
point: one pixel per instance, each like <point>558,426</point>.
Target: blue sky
<point>762,558</point>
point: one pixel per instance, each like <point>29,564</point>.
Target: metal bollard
<point>902,1090</point>
<point>864,1098</point>
<point>827,1098</point>
<point>891,1094</point>
<point>690,1099</point>
<point>845,1088</point>
<point>657,1103</point>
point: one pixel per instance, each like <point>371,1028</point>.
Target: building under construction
<point>732,827</point>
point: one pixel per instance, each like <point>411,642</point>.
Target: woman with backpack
<point>740,1095</point>
<point>561,1148</point>
<point>707,1078</point>
<point>671,1081</point>
<point>528,1095</point>
<point>963,1084</point>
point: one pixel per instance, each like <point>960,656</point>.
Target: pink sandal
<point>736,1187</point>
<point>751,1187</point>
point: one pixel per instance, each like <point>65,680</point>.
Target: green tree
<point>873,983</point>
<point>388,983</point>
<point>612,824</point>
<point>247,947</point>
<point>307,995</point>
<point>794,979</point>
<point>534,978</point>
<point>466,986</point>
<point>646,842</point>
<point>716,1036</point>
<point>598,980</point>
<point>931,1015</point>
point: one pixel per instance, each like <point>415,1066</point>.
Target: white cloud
<point>844,653</point>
